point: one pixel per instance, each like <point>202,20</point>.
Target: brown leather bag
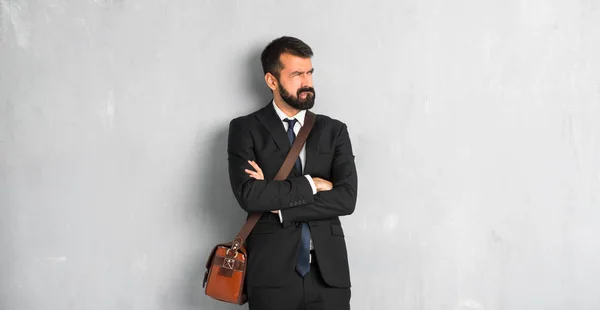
<point>226,264</point>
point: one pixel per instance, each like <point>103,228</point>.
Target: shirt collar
<point>300,116</point>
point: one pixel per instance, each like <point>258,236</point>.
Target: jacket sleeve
<point>339,201</point>
<point>259,195</point>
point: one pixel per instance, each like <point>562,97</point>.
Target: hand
<point>322,185</point>
<point>258,174</point>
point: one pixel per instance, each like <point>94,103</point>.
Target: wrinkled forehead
<point>294,64</point>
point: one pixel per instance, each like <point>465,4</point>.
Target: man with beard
<point>297,256</point>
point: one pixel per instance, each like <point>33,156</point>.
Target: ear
<point>271,81</point>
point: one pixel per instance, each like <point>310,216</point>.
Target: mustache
<point>305,89</point>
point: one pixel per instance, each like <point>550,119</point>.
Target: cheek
<point>292,86</point>
<point>292,83</point>
<point>310,80</point>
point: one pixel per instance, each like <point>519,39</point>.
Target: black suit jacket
<point>272,245</point>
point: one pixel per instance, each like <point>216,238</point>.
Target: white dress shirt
<point>300,122</point>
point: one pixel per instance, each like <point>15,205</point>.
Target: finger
<point>258,168</point>
<point>255,165</point>
<point>251,164</point>
<point>255,175</point>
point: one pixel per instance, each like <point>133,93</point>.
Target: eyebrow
<point>299,72</point>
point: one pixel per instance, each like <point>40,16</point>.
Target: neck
<point>289,111</point>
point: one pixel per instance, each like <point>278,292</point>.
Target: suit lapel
<point>269,119</point>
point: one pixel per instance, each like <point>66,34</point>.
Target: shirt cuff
<point>280,216</point>
<point>312,183</point>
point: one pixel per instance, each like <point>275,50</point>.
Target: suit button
<point>291,204</point>
<point>295,203</point>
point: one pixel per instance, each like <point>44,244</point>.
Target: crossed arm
<point>321,185</point>
<point>293,198</point>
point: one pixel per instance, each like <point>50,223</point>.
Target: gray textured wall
<point>474,123</point>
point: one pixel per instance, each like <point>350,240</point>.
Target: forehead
<point>293,63</point>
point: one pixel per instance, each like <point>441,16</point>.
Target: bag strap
<point>284,171</point>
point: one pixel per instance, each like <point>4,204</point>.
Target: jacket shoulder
<point>244,120</point>
<point>328,121</point>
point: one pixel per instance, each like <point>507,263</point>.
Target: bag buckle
<point>228,263</point>
<point>227,253</point>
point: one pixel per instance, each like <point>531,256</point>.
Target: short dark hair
<point>270,55</point>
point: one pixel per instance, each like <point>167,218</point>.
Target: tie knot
<point>291,122</point>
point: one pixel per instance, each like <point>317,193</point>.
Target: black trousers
<point>300,293</point>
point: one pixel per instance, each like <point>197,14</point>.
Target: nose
<point>306,80</point>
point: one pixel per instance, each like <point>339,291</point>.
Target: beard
<point>295,101</point>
